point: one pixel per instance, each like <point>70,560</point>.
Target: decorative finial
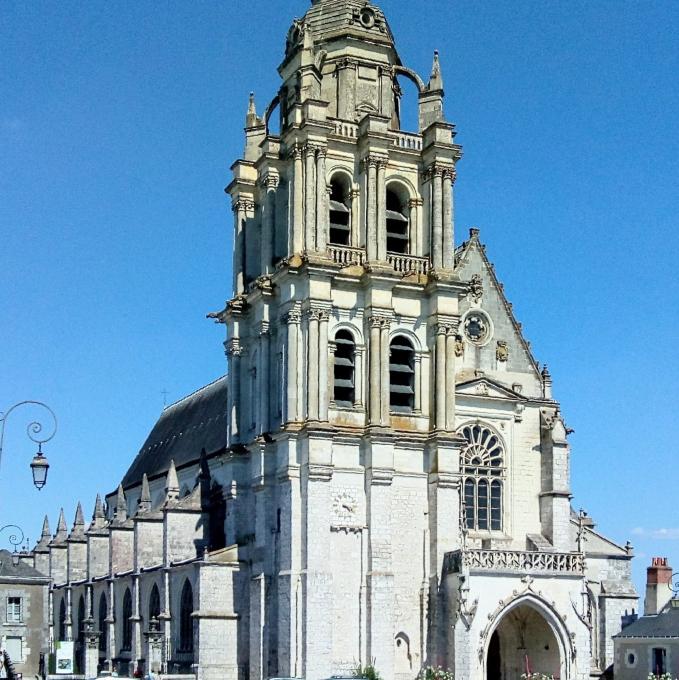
<point>252,119</point>
<point>145,498</point>
<point>436,79</point>
<point>121,505</point>
<point>172,484</point>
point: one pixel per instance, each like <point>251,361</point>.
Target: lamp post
<point>39,465</point>
<point>14,540</point>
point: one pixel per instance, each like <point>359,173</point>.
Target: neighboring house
<point>650,644</point>
<point>23,613</point>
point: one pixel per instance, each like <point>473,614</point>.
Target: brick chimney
<point>658,586</point>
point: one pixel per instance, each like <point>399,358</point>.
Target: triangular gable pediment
<point>487,295</point>
<point>488,389</point>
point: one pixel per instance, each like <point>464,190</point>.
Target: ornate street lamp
<point>14,540</point>
<point>39,465</point>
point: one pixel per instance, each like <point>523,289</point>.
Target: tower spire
<point>436,78</point>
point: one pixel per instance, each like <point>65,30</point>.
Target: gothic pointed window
<point>401,375</point>
<point>345,369</point>
<point>186,618</point>
<point>483,466</point>
<point>340,211</point>
<point>103,615</point>
<point>398,223</point>
<point>62,620</point>
<point>154,603</point>
<point>127,621</point>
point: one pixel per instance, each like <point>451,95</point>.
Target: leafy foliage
<point>435,673</point>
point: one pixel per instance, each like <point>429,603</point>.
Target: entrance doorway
<point>523,643</point>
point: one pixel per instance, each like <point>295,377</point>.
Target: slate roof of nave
<point>183,430</point>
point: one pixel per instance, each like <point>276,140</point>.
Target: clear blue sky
<point>118,124</point>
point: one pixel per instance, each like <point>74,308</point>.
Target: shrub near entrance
<point>435,673</point>
<point>536,676</point>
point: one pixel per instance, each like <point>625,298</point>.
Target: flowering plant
<point>664,676</point>
<point>536,676</point>
<point>435,673</point>
<point>368,672</point>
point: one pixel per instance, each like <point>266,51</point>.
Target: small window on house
<point>340,212</point>
<point>659,661</point>
<point>14,610</point>
<point>398,224</point>
<point>345,369</point>
<point>401,375</point>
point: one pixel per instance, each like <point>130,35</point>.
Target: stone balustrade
<point>345,129</point>
<point>346,256</point>
<point>408,141</point>
<point>515,561</point>
<point>408,264</point>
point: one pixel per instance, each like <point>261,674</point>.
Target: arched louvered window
<point>345,369</point>
<point>127,621</point>
<point>62,620</point>
<point>401,374</point>
<point>483,466</point>
<point>398,223</point>
<point>101,621</point>
<point>186,618</point>
<point>154,603</point>
<point>340,211</point>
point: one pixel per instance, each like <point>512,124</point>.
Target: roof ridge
<point>194,393</point>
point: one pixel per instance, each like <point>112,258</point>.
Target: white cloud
<point>661,534</point>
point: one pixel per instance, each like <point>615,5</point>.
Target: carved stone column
<point>381,209</point>
<point>437,217</point>
<point>450,378</point>
<point>358,377</point>
<point>111,627</point>
<point>297,232</point>
<point>264,373</point>
<point>332,350</point>
<point>416,244</point>
<point>312,354</point>
<point>322,212</point>
<point>310,199</point>
<point>234,352</point>
<point>449,176</point>
<point>370,165</point>
<point>418,383</point>
<point>385,396</point>
<point>324,316</point>
<point>136,623</point>
<point>355,218</point>
<point>440,379</point>
<point>293,320</point>
<point>375,414</point>
<point>91,636</point>
<point>238,247</point>
<point>268,223</point>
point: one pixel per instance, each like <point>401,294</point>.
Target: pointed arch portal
<point>525,640</point>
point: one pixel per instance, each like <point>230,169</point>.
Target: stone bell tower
<point>341,344</point>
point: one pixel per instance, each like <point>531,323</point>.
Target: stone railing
<point>344,129</point>
<point>346,256</point>
<point>408,141</point>
<point>408,264</point>
<point>572,564</point>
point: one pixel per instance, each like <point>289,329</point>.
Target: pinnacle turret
<point>172,484</point>
<point>62,530</point>
<point>78,530</point>
<point>121,506</point>
<point>145,498</point>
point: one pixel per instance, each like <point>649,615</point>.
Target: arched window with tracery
<point>340,211</point>
<point>127,621</point>
<point>102,616</point>
<point>398,221</point>
<point>483,467</point>
<point>344,392</point>
<point>186,618</point>
<point>154,603</point>
<point>401,375</point>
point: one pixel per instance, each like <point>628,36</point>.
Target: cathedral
<point>382,477</point>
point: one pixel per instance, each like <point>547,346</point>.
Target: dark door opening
<point>494,665</point>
